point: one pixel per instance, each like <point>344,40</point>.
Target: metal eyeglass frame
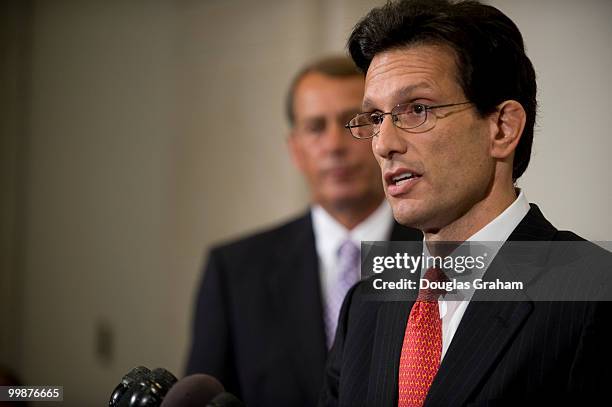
<point>394,116</point>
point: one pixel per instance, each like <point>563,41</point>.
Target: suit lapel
<point>386,350</point>
<point>487,327</point>
<point>297,300</point>
<point>484,332</point>
<point>388,338</point>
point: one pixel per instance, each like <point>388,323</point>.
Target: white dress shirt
<point>498,230</point>
<point>330,234</point>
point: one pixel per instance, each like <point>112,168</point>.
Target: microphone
<point>199,390</point>
<point>142,388</point>
<point>136,374</point>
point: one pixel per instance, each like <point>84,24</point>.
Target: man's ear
<point>295,150</point>
<point>510,122</point>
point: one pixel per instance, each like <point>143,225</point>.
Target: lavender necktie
<point>348,267</point>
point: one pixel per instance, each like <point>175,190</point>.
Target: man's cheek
<point>379,160</point>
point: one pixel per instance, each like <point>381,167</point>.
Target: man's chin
<point>409,215</point>
<point>350,199</point>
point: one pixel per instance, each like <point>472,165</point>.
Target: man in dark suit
<point>450,106</point>
<point>267,308</point>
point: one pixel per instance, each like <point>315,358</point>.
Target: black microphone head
<point>142,388</point>
<point>156,386</point>
<point>193,391</point>
<point>135,375</point>
<point>163,378</point>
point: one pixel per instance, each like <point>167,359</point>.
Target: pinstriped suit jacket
<point>503,353</point>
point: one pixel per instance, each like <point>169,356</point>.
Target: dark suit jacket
<point>503,353</point>
<point>258,323</point>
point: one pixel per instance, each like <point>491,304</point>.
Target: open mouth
<point>403,178</point>
<point>401,181</point>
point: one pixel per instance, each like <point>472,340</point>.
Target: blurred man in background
<point>266,311</point>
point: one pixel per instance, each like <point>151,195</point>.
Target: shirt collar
<point>500,228</point>
<point>490,238</point>
<point>329,233</point>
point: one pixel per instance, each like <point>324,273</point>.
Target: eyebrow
<point>401,93</point>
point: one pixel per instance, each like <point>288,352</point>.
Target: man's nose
<point>389,140</point>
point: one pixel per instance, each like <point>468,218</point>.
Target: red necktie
<point>422,347</point>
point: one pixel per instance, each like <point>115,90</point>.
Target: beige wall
<point>156,128</point>
<point>101,120</point>
<point>569,44</point>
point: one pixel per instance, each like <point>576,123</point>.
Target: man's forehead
<point>319,81</point>
<point>401,93</point>
<point>320,93</point>
<point>404,71</point>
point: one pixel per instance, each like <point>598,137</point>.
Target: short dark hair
<point>334,66</point>
<point>489,52</point>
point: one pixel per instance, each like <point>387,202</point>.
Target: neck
<point>350,216</point>
<point>476,218</point>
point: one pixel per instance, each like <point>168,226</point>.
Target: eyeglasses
<point>413,117</point>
